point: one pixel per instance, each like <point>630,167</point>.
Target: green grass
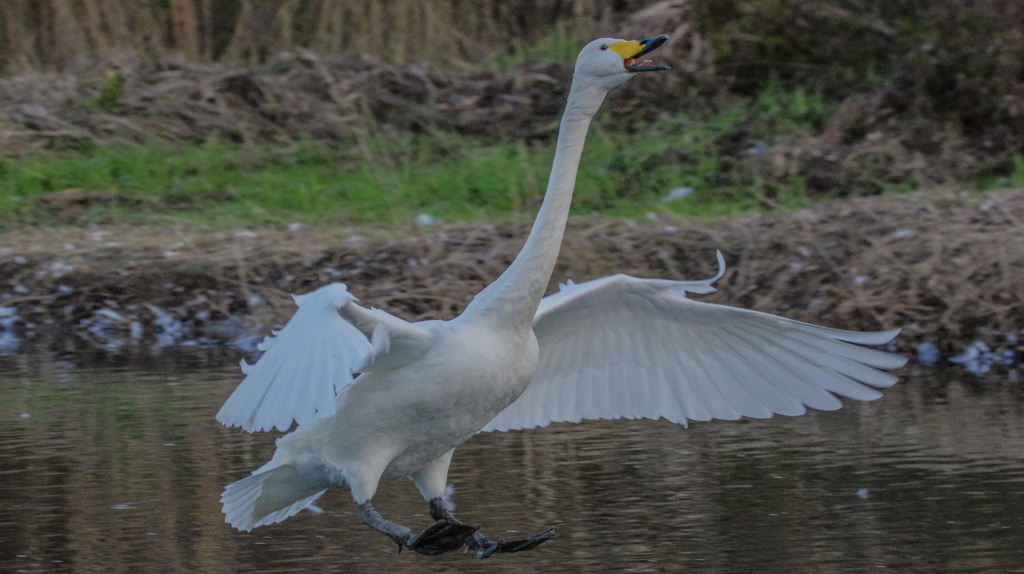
<point>1014,179</point>
<point>624,172</point>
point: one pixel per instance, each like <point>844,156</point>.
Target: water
<point>113,463</point>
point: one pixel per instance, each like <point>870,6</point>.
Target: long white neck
<point>513,297</point>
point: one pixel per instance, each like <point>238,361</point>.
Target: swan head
<point>610,61</point>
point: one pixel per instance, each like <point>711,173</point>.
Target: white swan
<point>616,347</point>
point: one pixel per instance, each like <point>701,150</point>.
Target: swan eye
<point>604,46</point>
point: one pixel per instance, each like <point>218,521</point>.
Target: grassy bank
<point>631,163</point>
<point>392,181</point>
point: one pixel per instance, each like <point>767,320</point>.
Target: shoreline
<point>940,265</point>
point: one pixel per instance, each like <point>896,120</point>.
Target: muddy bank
<point>945,267</point>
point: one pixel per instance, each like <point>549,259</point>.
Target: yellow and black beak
<point>632,50</point>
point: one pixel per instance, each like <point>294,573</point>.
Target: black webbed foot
<point>476,542</point>
<point>442,536</point>
<point>484,547</point>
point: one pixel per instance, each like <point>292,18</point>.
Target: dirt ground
<point>945,267</point>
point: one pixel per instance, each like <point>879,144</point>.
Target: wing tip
<point>721,267</point>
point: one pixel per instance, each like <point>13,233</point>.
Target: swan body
<point>379,398</point>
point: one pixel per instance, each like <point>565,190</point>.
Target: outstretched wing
<point>621,347</point>
<point>308,362</point>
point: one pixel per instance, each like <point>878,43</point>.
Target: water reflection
<point>114,463</point>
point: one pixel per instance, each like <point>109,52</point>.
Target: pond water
<point>114,463</point>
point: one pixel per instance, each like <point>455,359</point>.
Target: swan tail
<point>269,496</point>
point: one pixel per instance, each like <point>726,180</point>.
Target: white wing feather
<point>304,366</point>
<point>621,347</point>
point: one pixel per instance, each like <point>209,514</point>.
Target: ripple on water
<point>120,466</point>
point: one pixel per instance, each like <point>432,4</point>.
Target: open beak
<point>632,50</point>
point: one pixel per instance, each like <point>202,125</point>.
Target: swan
<point>378,398</point>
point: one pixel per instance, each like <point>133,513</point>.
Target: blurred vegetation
<point>771,103</point>
<point>50,34</point>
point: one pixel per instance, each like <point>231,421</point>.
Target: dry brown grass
<point>296,95</point>
<point>945,267</point>
<point>50,34</point>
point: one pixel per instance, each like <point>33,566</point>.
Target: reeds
<point>49,34</point>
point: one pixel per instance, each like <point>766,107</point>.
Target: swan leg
<point>482,546</point>
<point>372,518</point>
<point>440,537</point>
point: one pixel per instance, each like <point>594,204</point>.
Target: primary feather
<point>622,347</point>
